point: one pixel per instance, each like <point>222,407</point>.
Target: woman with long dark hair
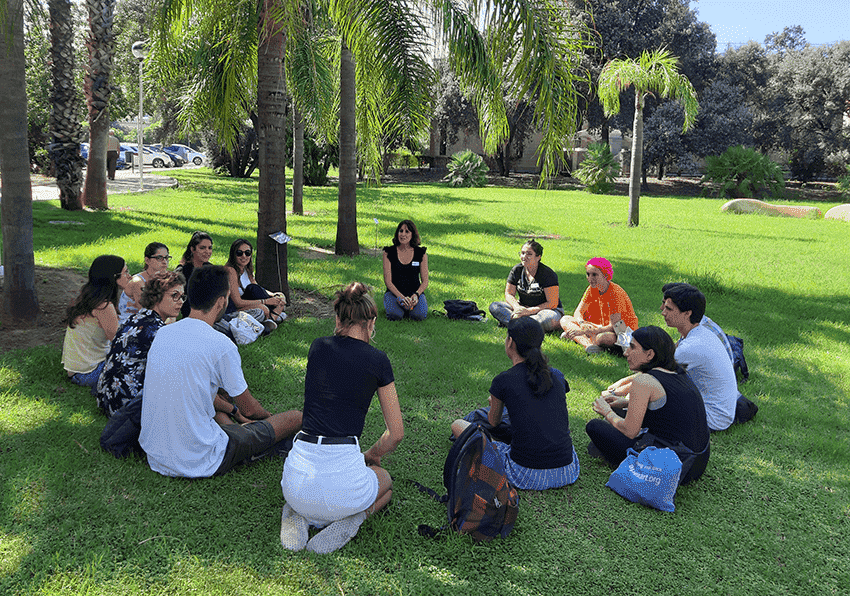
<point>156,261</point>
<point>93,320</point>
<point>197,254</point>
<point>659,397</point>
<point>124,370</point>
<point>406,274</point>
<point>541,453</point>
<point>245,293</point>
<point>327,482</point>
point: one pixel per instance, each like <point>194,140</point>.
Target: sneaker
<point>268,326</point>
<point>593,349</point>
<point>293,529</point>
<point>337,534</point>
<point>279,318</point>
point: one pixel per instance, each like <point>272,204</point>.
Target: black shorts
<point>245,441</point>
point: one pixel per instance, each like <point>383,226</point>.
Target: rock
<point>839,212</point>
<point>755,206</point>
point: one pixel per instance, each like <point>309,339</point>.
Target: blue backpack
<point>480,501</point>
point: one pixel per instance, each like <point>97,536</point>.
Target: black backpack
<point>466,310</point>
<point>480,501</point>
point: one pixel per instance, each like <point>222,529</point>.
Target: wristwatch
<point>234,411</point>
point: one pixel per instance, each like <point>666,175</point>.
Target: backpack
<point>466,310</point>
<point>739,363</point>
<point>480,501</point>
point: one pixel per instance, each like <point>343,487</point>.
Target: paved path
<point>125,181</point>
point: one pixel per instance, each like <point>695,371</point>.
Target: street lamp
<point>140,51</point>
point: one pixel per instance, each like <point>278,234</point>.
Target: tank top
<point>85,346</point>
<point>126,307</point>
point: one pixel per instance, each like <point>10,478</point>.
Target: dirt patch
<point>57,288</point>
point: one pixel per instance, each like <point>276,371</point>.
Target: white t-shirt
<point>704,357</point>
<point>716,329</point>
<point>187,363</point>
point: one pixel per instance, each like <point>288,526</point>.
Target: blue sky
<point>738,21</point>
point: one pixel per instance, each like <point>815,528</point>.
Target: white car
<point>152,157</point>
<point>187,153</point>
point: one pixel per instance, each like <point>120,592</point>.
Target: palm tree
<point>98,90</point>
<point>20,302</point>
<point>65,129</point>
<point>654,72</point>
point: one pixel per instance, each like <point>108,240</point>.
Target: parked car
<point>152,157</point>
<point>187,153</point>
<point>84,152</point>
<point>177,160</point>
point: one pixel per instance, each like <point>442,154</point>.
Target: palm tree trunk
<point>347,242</point>
<point>98,90</point>
<point>20,303</point>
<point>637,161</point>
<point>65,129</point>
<point>272,271</point>
<point>298,163</point>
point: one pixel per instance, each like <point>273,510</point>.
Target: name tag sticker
<point>415,263</point>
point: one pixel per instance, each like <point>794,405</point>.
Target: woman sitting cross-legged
<point>602,305</point>
<point>659,397</point>
<point>123,373</point>
<point>327,482</point>
<point>93,320</point>
<point>245,293</point>
<point>541,453</point>
<point>405,275</point>
<point>531,291</point>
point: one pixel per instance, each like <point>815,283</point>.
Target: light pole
<point>140,51</point>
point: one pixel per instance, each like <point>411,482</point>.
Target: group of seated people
<point>199,418</point>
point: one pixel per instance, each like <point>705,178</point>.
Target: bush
<point>743,172</point>
<point>467,169</point>
<point>598,169</point>
<point>844,183</point>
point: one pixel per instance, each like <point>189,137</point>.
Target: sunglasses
<point>244,253</point>
<point>178,297</point>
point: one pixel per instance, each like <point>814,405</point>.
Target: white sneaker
<point>593,349</point>
<point>293,529</point>
<point>337,534</point>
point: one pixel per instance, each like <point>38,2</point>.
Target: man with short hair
<point>701,353</point>
<point>186,426</point>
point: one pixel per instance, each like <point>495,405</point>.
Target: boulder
<point>839,212</point>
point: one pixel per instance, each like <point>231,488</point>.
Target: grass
<point>769,517</point>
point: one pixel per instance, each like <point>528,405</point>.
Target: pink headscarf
<point>604,265</point>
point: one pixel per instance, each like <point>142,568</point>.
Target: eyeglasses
<point>244,253</point>
<point>161,258</point>
<point>178,297</point>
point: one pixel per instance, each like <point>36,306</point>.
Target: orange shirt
<point>600,307</point>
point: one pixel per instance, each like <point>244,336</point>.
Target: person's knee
<point>458,426</point>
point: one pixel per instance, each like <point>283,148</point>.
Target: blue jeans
<point>395,311</point>
<point>548,318</point>
<point>89,379</point>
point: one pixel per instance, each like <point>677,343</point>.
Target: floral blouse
<point>124,371</point>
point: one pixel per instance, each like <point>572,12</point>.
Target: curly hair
<point>354,305</point>
<point>101,287</point>
<point>154,291</point>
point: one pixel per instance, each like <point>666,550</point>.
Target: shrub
<point>598,169</point>
<point>844,183</point>
<point>743,172</point>
<point>467,169</point>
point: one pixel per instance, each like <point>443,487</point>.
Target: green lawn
<point>770,516</point>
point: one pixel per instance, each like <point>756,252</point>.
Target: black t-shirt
<point>682,417</point>
<point>406,278</point>
<point>532,294</point>
<point>540,423</point>
<point>343,374</point>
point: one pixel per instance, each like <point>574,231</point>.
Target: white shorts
<point>326,483</point>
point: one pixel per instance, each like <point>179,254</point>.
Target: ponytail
<point>527,335</point>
